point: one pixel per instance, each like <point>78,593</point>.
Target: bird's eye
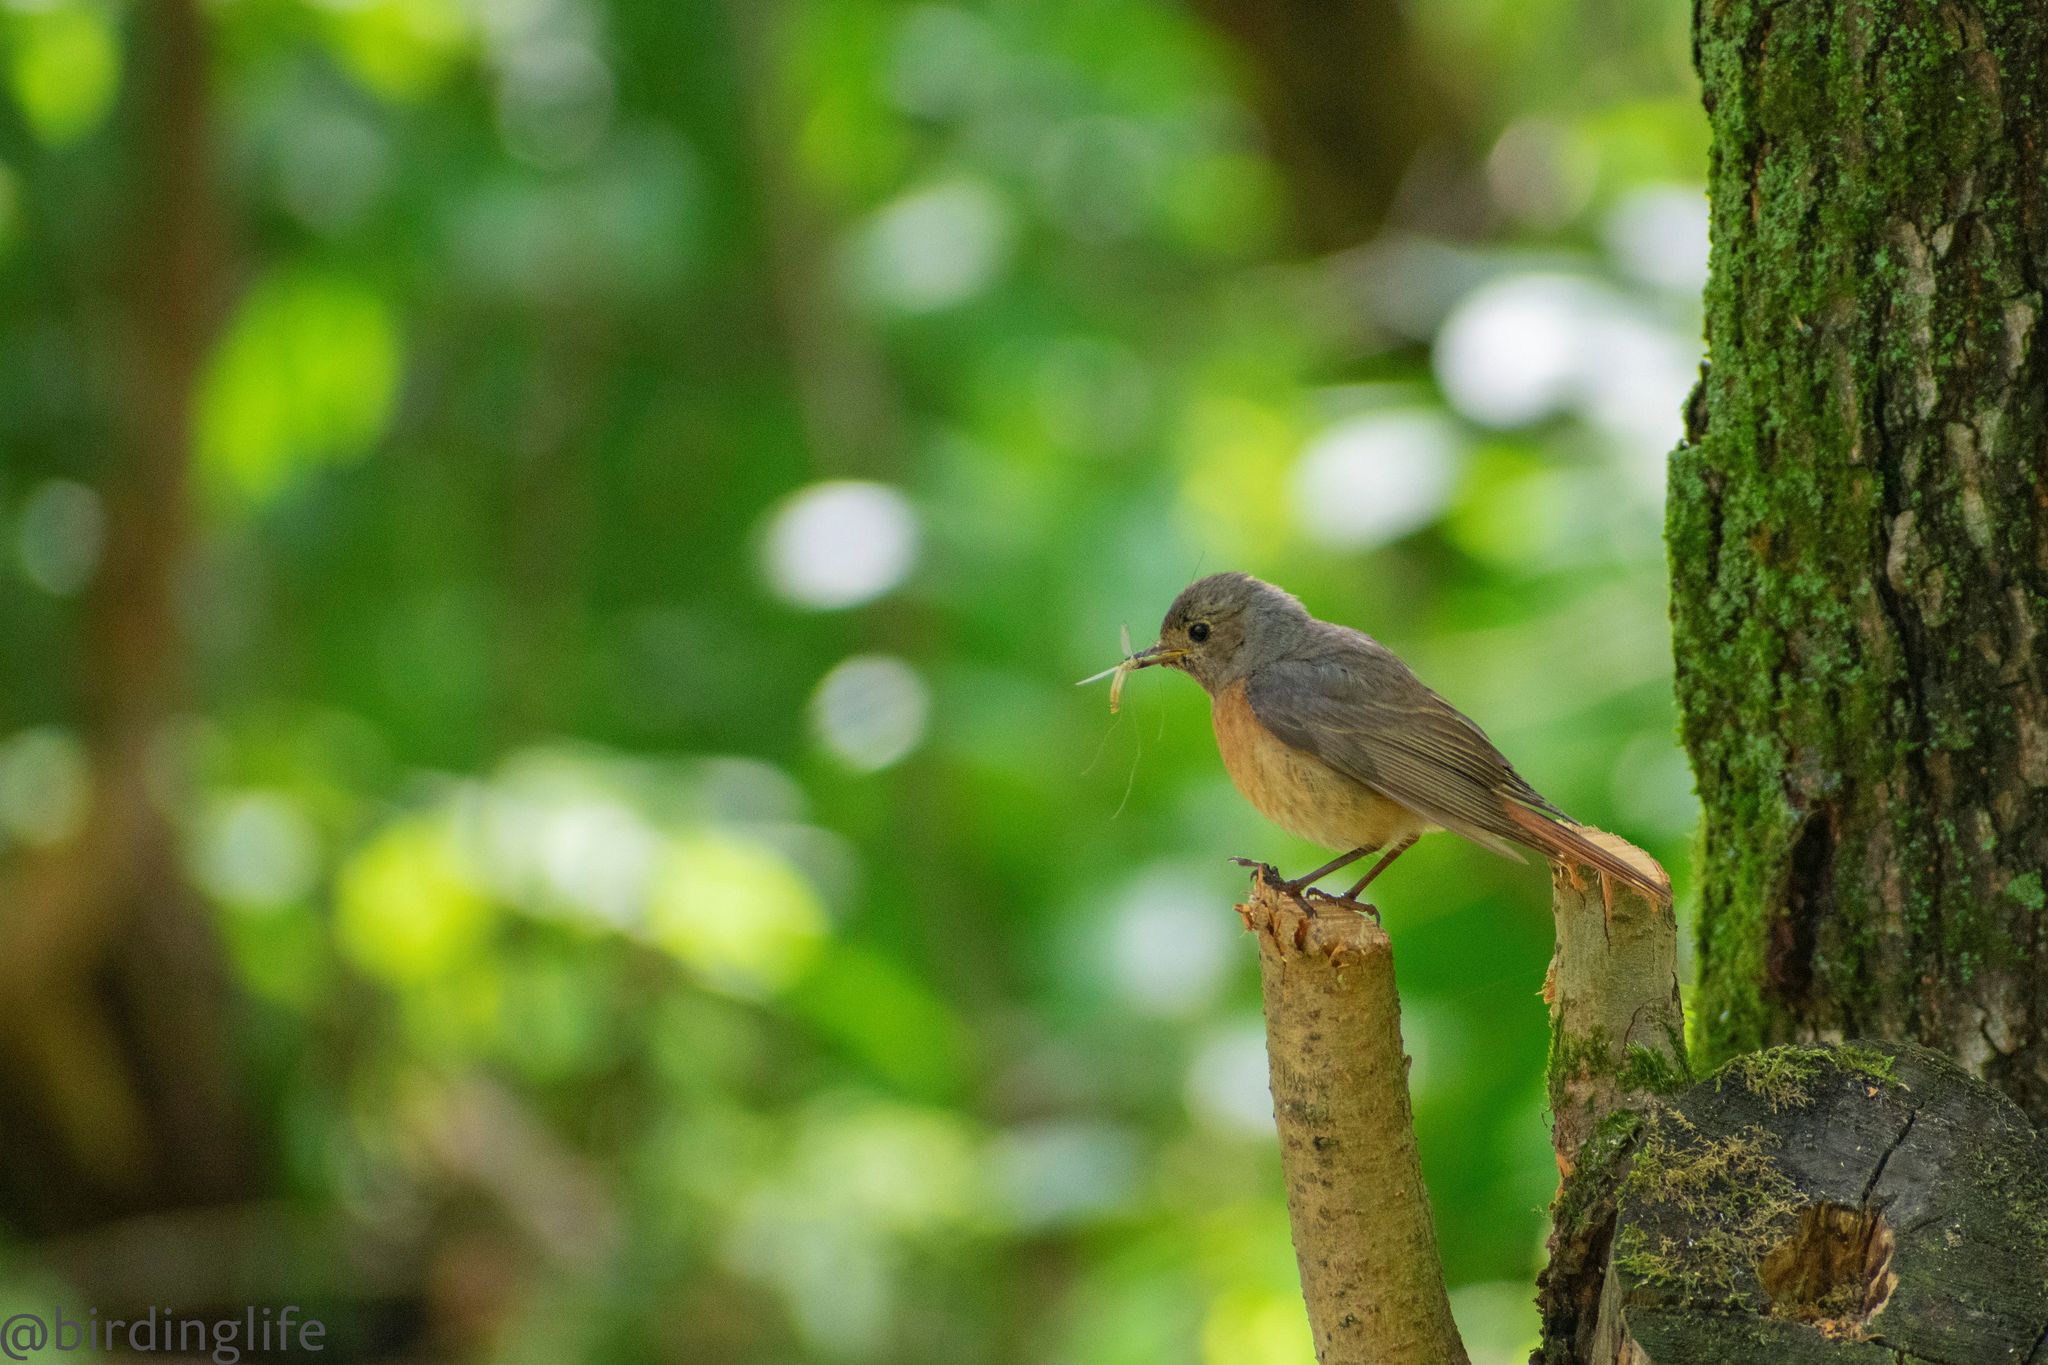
<point>1199,631</point>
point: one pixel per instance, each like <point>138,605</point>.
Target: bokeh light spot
<point>331,167</point>
<point>839,544</point>
<point>1059,1173</point>
<point>871,711</point>
<point>408,906</point>
<point>1530,347</point>
<point>64,64</point>
<point>400,49</point>
<point>945,61</point>
<point>555,101</point>
<point>1659,235</point>
<point>1247,1325</point>
<point>1227,1084</point>
<point>1167,951</point>
<point>1376,477</point>
<point>1509,352</point>
<point>1541,172</point>
<point>257,850</point>
<point>63,529</point>
<point>597,855</point>
<point>307,374</point>
<point>935,247</point>
<point>45,785</point>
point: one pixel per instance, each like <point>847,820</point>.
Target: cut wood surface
<point>1864,1202</point>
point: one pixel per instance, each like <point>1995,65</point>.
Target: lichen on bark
<point>1858,532</point>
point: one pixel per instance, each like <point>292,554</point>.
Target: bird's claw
<point>1297,889</point>
<point>1366,908</point>
<point>1293,886</point>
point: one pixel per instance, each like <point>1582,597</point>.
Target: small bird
<point>1333,739</point>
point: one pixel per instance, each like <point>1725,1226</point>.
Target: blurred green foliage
<point>661,468</point>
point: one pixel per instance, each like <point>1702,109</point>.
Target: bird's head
<point>1223,627</point>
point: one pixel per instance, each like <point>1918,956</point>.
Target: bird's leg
<point>1386,860</point>
<point>1297,887</point>
<point>1301,883</point>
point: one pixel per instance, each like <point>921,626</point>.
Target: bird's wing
<point>1355,706</point>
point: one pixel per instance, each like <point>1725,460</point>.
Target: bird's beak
<point>1157,654</point>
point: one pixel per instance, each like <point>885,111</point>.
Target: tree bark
<point>1363,1235</point>
<point>1867,1203</point>
<point>1617,1027</point>
<point>1858,532</point>
<point>117,1089</point>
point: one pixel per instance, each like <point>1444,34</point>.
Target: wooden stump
<point>1869,1202</point>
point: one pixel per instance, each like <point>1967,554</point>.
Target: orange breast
<point>1298,791</point>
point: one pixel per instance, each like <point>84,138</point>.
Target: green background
<point>661,469</point>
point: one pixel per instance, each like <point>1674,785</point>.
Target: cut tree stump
<point>1869,1202</point>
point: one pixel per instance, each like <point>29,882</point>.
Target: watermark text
<point>25,1336</point>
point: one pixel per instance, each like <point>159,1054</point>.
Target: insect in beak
<point>1144,658</point>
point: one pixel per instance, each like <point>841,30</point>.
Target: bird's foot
<point>1297,889</point>
<point>1293,886</point>
<point>1352,903</point>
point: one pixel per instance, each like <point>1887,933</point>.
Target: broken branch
<point>1363,1235</point>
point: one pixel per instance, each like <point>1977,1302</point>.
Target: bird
<point>1333,738</point>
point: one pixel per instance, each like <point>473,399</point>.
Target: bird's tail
<point>1573,843</point>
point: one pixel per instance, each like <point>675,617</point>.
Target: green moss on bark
<point>1656,1071</point>
<point>1785,1077</point>
<point>1857,533</point>
<point>1735,1189</point>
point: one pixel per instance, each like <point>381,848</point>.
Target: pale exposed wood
<point>1617,1028</point>
<point>1615,1014</point>
<point>1363,1236</point>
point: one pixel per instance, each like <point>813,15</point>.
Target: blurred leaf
<point>408,908</point>
<point>64,67</point>
<point>307,374</point>
<point>888,1018</point>
<point>737,912</point>
<point>401,49</point>
<point>1256,1327</point>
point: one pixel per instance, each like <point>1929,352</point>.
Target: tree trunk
<point>117,1079</point>
<point>1351,109</point>
<point>1617,1041</point>
<point>1859,533</point>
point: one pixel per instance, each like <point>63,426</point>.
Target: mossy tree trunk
<point>1859,532</point>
